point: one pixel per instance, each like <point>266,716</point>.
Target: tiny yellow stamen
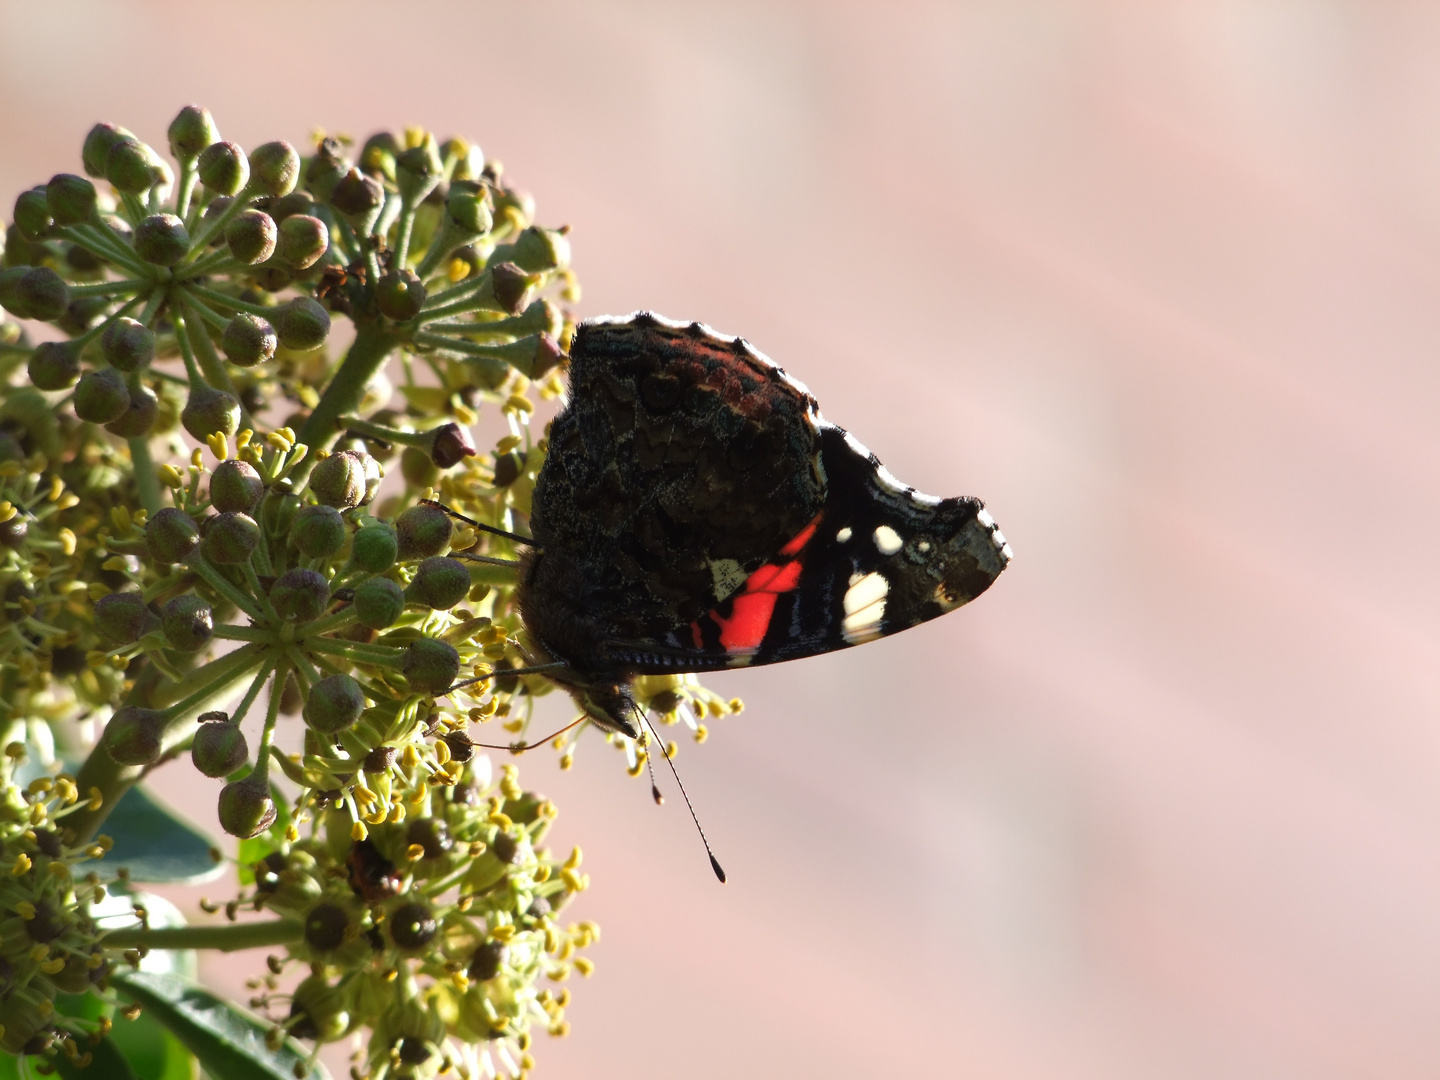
<point>585,966</point>
<point>358,831</point>
<point>415,852</point>
<point>25,909</point>
<point>7,511</point>
<point>171,476</point>
<point>219,445</point>
<point>67,541</point>
<point>519,403</point>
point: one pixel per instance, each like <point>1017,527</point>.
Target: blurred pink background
<point>1160,282</point>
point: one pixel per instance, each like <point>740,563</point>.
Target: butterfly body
<point>696,512</point>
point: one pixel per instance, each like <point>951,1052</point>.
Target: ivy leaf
<point>154,844</point>
<point>228,1042</point>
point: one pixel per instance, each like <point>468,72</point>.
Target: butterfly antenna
<point>654,787</point>
<point>491,529</point>
<point>714,862</point>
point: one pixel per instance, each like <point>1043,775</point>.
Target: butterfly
<point>696,512</point>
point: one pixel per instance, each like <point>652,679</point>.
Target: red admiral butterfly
<point>696,512</point>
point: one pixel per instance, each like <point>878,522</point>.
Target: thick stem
<point>226,938</point>
<point>367,355</point>
<point>146,479</point>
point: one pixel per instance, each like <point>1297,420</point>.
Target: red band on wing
<point>753,606</point>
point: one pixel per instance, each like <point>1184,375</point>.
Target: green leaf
<point>154,844</point>
<point>108,1063</point>
<point>229,1042</point>
<point>152,1052</point>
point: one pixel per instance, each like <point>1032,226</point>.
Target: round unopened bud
<point>171,535</point>
<point>43,292</point>
<point>335,703</point>
<point>510,286</point>
<point>548,355</point>
<point>246,808</point>
<point>318,1011</point>
<point>486,961</point>
<point>132,737</point>
<point>340,480</point>
<point>208,410</point>
<point>32,214</point>
<point>235,486</point>
<point>325,168</point>
<point>412,926</point>
<point>161,240</point>
<point>132,166</point>
<point>374,547</point>
<point>139,416</point>
<point>538,250</point>
<point>297,202</point>
<point>325,927</point>
<point>356,195</point>
<point>71,199</point>
<point>192,130</point>
<point>127,345</point>
<point>10,278</point>
<point>318,531</point>
<point>96,151</point>
<point>123,618</point>
<point>188,623</point>
<point>251,236</point>
<point>468,208</point>
<point>223,168</point>
<point>422,530</point>
<point>54,365</point>
<point>274,168</point>
<point>450,444</point>
<point>377,156</point>
<point>505,848</point>
<point>508,468</point>
<point>417,468</point>
<point>303,240</point>
<point>230,538</point>
<point>400,294</point>
<point>277,512</point>
<point>440,582</point>
<point>248,340</point>
<point>101,396</point>
<point>219,748</point>
<point>300,595</point>
<point>378,602</point>
<point>432,834</point>
<point>430,665</point>
<point>302,324</point>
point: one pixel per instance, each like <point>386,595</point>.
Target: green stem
<point>272,717</point>
<point>210,362</point>
<point>244,633</point>
<point>147,480</point>
<point>367,355</point>
<point>355,652</point>
<point>226,938</point>
<point>105,288</point>
<point>256,685</point>
<point>229,302</point>
<point>208,681</point>
<point>222,585</point>
<point>385,434</point>
<point>326,624</point>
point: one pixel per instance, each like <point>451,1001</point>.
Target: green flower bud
<point>43,293</point>
<point>248,340</point>
<point>127,345</point>
<point>219,747</point>
<point>505,848</point>
<point>335,703</point>
<point>123,618</point>
<point>132,166</point>
<point>251,236</point>
<point>430,665</point>
<point>378,602</point>
<point>339,480</point>
<point>400,294</point>
<point>297,202</point>
<point>171,535</point>
<point>486,961</point>
<point>223,169</point>
<point>235,487</point>
<point>356,195</point>
<point>71,199</point>
<point>509,289</point>
<point>83,262</point>
<point>374,547</point>
<point>377,156</point>
<point>98,142</point>
<point>302,324</point>
<point>161,240</point>
<point>32,214</point>
<point>274,168</point>
<point>192,130</point>
<point>516,204</point>
<point>188,623</point>
<point>277,512</point>
<point>246,808</point>
<point>10,298</point>
<point>325,169</point>
<point>208,410</point>
<point>464,158</point>
<point>101,396</point>
<point>133,735</point>
<point>300,595</point>
<point>318,1010</point>
<point>538,250</point>
<point>440,583</point>
<point>419,170</point>
<point>54,365</point>
<point>468,209</point>
<point>139,416</point>
<point>508,468</point>
<point>325,927</point>
<point>422,530</point>
<point>417,468</point>
<point>230,538</point>
<point>303,240</point>
<point>432,834</point>
<point>318,531</point>
<point>412,926</point>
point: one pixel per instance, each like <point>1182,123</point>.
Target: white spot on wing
<point>887,540</point>
<point>843,536</point>
<point>984,518</point>
<point>864,607</point>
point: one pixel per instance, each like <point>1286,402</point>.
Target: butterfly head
<point>610,706</point>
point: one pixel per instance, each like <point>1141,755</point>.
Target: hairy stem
<point>226,938</point>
